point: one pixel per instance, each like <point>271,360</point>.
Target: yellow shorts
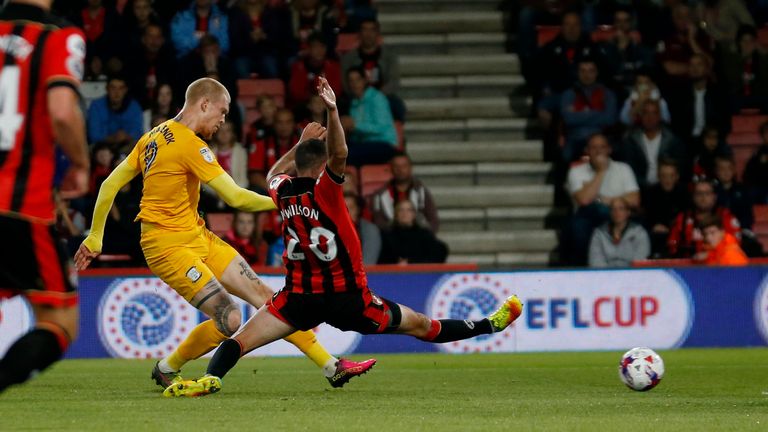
<point>185,260</point>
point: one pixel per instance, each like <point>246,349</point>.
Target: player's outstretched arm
<point>69,130</point>
<point>238,197</point>
<point>91,246</point>
<point>337,144</point>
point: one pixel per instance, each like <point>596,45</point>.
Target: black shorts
<point>359,311</point>
<point>33,263</point>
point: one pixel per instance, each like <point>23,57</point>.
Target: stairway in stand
<point>466,130</point>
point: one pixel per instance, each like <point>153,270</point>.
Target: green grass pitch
<point>703,390</point>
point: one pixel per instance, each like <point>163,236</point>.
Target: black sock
<point>225,358</point>
<point>33,352</point>
<point>453,330</point>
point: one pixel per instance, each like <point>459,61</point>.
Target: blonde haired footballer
<point>179,249</point>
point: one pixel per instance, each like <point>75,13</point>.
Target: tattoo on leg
<point>222,312</point>
<point>247,271</point>
<point>207,297</point>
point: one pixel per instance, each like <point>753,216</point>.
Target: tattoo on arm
<point>247,271</point>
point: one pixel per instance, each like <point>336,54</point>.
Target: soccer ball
<point>641,369</point>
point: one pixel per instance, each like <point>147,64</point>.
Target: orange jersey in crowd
<point>727,252</point>
<point>173,160</point>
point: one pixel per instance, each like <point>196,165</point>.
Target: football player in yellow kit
<point>179,249</point>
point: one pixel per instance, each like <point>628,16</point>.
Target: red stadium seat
<point>373,177</point>
<point>760,212</point>
<point>249,90</point>
<point>219,223</point>
<point>346,42</point>
<point>741,155</point>
<point>747,123</point>
<point>352,179</point>
<point>607,32</point>
<point>762,36</point>
<point>545,34</point>
<point>746,139</point>
<point>400,135</point>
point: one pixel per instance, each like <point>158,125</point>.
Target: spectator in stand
<point>150,65</point>
<point>676,51</point>
<point>697,102</point>
<point>532,14</point>
<point>264,126</point>
<point>649,142</point>
<point>662,202</point>
<point>230,154</point>
<point>593,186</point>
<point>245,237</point>
<point>209,61</point>
<point>311,17</point>
<point>558,66</point>
<point>730,193</point>
<point>116,118</point>
<point>744,71</point>
<point>380,64</point>
<point>709,146</point>
<point>306,69</point>
<point>101,167</point>
<point>619,242</point>
<point>406,242</point>
<point>587,108</point>
<point>136,21</point>
<point>264,153</point>
<point>721,247</point>
<point>370,128</point>
<point>162,107</point>
<point>261,38</point>
<point>314,112</point>
<point>98,23</point>
<point>756,171</point>
<point>370,236</point>
<point>201,18</point>
<point>624,57</point>
<point>721,19</point>
<point>644,90</point>
<point>685,238</point>
<point>404,186</point>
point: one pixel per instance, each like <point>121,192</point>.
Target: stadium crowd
<point>142,55</point>
<point>637,101</point>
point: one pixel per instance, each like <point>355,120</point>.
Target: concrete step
<point>442,22</point>
<point>461,86</point>
<point>493,218</point>
<point>493,196</point>
<point>463,64</point>
<point>465,107</point>
<point>449,43</point>
<point>423,152</point>
<point>471,129</point>
<point>483,173</point>
<point>469,242</point>
<point>409,6</point>
<point>503,259</point>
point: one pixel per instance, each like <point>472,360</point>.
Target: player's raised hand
<point>83,257</point>
<point>326,93</point>
<point>313,130</point>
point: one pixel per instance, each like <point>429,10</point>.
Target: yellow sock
<point>202,339</point>
<point>308,344</point>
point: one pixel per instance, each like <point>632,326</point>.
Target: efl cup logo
<point>761,308</point>
<point>143,318</point>
<point>471,297</point>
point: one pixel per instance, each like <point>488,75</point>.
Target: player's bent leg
<point>214,301</point>
<point>56,328</point>
<point>240,279</point>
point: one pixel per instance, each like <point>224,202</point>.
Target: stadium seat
<point>219,223</point>
<point>762,36</point>
<point>605,33</point>
<point>741,155</point>
<point>741,123</point>
<point>373,177</point>
<point>249,90</point>
<point>744,139</point>
<point>544,34</point>
<point>352,179</point>
<point>400,135</point>
<point>346,42</point>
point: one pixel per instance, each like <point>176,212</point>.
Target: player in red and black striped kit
<point>326,281</point>
<point>41,65</point>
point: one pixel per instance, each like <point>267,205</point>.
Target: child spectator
<point>722,248</point>
<point>644,90</point>
<point>618,242</point>
<point>245,237</point>
<point>230,154</point>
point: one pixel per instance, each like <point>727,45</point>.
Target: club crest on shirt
<point>207,154</point>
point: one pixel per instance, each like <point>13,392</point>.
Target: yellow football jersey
<point>173,161</point>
